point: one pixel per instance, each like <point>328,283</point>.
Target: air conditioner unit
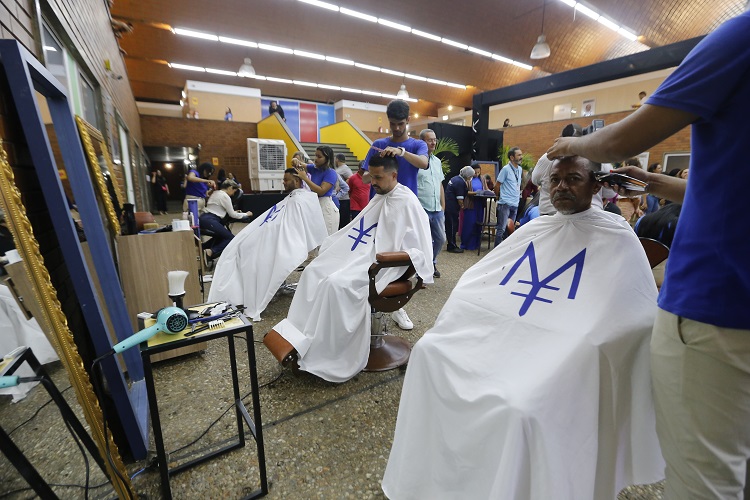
<point>266,164</point>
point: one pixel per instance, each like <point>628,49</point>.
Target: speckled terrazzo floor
<point>322,440</point>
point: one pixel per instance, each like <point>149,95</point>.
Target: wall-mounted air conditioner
<point>266,164</point>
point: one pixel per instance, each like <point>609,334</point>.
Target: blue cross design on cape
<point>362,233</point>
<point>538,285</point>
<point>272,214</point>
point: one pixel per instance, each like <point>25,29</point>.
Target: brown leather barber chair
<point>388,351</point>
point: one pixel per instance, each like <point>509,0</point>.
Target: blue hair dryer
<point>169,320</point>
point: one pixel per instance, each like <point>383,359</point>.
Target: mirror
<point>102,171</point>
<point>52,315</point>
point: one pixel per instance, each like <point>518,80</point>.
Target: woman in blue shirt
<point>322,179</point>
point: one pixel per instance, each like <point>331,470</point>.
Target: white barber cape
<point>329,318</point>
<point>534,382</point>
<point>17,331</point>
<point>256,262</point>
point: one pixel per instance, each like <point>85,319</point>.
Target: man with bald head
<point>551,368</point>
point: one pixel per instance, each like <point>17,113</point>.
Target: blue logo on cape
<point>272,214</point>
<point>538,285</point>
<point>361,233</point>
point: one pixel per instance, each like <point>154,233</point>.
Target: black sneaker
<point>436,274</point>
<point>456,250</point>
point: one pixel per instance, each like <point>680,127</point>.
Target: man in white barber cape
<point>327,330</point>
<point>534,381</point>
<point>258,260</point>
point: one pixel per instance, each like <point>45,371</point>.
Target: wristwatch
<point>403,151</point>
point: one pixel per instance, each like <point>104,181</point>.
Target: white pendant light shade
<point>402,93</point>
<point>541,49</point>
<point>247,68</point>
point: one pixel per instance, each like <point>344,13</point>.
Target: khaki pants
<point>701,381</point>
<point>330,214</point>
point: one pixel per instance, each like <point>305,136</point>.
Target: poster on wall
<point>561,111</point>
<point>589,107</point>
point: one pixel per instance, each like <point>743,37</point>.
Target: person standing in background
<point>275,107</point>
<point>359,192</point>
<point>322,180</point>
<point>432,196</point>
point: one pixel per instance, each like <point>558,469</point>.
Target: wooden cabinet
<point>144,261</point>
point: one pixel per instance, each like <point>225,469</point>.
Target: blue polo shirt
<point>407,173</point>
<point>510,187</point>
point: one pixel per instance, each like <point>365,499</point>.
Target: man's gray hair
<point>467,172</point>
<point>423,132</point>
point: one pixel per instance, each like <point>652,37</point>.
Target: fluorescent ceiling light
<point>502,59</point>
<point>258,77</point>
<point>392,72</point>
<point>221,72</point>
<point>187,67</point>
<point>571,3</point>
<point>586,11</point>
<point>355,91</point>
<point>196,34</point>
<point>237,41</point>
<point>325,5</point>
<point>305,84</point>
<point>391,24</point>
<point>340,61</point>
<point>358,15</point>
<point>275,48</point>
<point>367,66</point>
<point>426,35</point>
<point>480,51</point>
<point>330,87</point>
<point>416,77</point>
<point>280,80</point>
<point>391,96</point>
<point>456,85</point>
<point>311,55</point>
<point>370,92</point>
<point>438,82</point>
<point>522,65</point>
<point>627,34</point>
<point>609,24</point>
<point>445,117</point>
<point>460,45</point>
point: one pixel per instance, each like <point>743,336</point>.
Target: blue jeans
<point>437,230</point>
<point>222,235</point>
<point>504,212</point>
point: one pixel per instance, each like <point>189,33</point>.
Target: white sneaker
<point>402,319</point>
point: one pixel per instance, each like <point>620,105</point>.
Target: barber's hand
<point>211,184</point>
<point>630,171</point>
<point>295,162</point>
<point>390,151</point>
<point>301,171</point>
<point>561,148</point>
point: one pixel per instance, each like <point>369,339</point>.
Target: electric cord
<point>85,458</point>
<point>100,395</point>
<point>34,415</point>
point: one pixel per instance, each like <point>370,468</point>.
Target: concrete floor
<point>322,440</point>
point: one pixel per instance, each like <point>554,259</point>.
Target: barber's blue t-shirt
<point>407,173</point>
<point>321,176</point>
<point>708,272</point>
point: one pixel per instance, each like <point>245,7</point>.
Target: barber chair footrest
<point>392,353</point>
<point>281,349</point>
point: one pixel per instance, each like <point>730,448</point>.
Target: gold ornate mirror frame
<point>88,135</point>
<point>61,337</point>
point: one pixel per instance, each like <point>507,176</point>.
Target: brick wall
<point>220,139</point>
<point>17,21</point>
<point>536,139</point>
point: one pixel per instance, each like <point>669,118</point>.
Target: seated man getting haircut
<point>329,318</point>
<point>258,260</point>
<point>534,381</point>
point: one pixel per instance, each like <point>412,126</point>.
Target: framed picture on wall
<point>588,108</point>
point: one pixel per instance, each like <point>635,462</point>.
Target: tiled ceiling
<point>508,28</point>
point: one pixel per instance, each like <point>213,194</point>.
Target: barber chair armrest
<point>398,292</point>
